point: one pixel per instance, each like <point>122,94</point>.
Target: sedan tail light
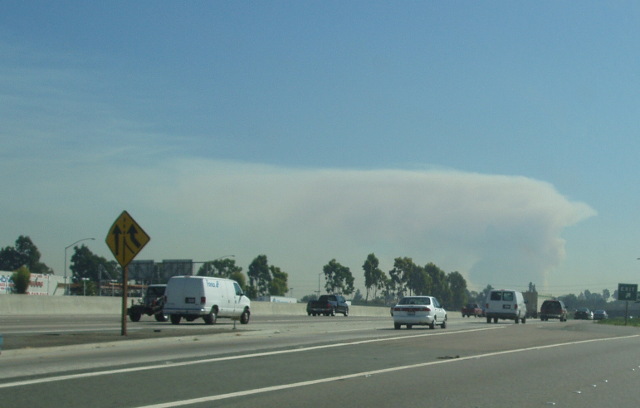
<point>411,309</point>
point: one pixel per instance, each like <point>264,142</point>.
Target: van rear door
<point>193,294</point>
<point>175,293</point>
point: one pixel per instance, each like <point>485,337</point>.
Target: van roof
<point>200,277</point>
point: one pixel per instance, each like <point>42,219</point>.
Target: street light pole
<point>66,287</point>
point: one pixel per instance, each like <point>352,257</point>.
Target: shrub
<point>21,278</point>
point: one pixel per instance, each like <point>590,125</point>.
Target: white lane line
<point>217,359</point>
<point>363,374</point>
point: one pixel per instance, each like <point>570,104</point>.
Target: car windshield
<point>415,301</point>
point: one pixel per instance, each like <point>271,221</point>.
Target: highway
<point>300,361</point>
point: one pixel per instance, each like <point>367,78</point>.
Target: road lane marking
<point>212,398</point>
<point>237,357</point>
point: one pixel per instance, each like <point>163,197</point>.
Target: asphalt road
<point>316,362</point>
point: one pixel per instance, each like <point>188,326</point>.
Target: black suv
<point>553,309</point>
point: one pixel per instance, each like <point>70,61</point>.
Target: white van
<point>505,304</point>
<point>192,297</point>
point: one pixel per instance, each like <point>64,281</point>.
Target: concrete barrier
<point>15,305</point>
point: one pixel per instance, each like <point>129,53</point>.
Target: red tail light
<point>203,300</point>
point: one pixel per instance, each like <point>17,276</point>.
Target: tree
<point>220,267</point>
<point>238,276</point>
<point>400,275</point>
<point>87,265</point>
<point>570,301</point>
<point>21,278</point>
<point>439,283</point>
<point>373,275</point>
<point>259,276</point>
<point>338,278</point>
<point>458,287</point>
<point>279,285</point>
<point>25,253</point>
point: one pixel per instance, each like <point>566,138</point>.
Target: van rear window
<point>500,295</point>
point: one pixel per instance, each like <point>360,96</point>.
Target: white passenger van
<point>192,297</point>
<point>505,304</point>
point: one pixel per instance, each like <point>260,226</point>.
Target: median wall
<point>16,305</point>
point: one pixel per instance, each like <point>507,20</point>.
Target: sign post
<point>627,292</point>
<point>125,239</point>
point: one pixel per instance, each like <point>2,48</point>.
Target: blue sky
<point>495,139</point>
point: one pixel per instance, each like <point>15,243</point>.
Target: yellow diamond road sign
<point>126,238</point>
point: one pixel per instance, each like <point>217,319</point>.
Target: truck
<point>151,304</point>
<point>531,300</point>
<point>472,309</point>
<point>328,305</point>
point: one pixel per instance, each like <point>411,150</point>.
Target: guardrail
<point>15,305</point>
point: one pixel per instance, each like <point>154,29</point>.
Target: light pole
<point>84,286</point>
<point>66,287</point>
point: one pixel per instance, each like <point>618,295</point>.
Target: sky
<point>495,139</point>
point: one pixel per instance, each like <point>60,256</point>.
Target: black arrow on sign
<point>117,232</point>
<point>132,235</point>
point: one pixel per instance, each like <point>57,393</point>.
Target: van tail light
<point>203,300</point>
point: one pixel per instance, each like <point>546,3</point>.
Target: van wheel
<point>244,317</point>
<point>210,318</point>
<point>524,320</point>
<point>346,312</point>
<point>495,320</point>
<point>333,312</point>
<point>160,317</point>
<point>488,320</point>
<point>135,316</point>
<point>175,319</point>
<point>517,320</point>
<point>433,324</point>
<point>444,324</point>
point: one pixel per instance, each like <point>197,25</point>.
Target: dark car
<point>553,309</point>
<point>600,315</point>
<point>583,313</point>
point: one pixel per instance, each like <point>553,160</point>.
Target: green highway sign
<point>627,291</point>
